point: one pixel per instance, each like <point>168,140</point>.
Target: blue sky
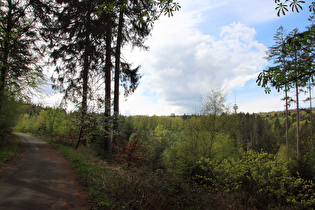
<point>208,43</point>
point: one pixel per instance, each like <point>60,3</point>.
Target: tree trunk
<point>117,74</point>
<point>107,140</point>
<point>85,75</point>
<point>297,121</point>
<point>311,115</point>
<point>286,122</point>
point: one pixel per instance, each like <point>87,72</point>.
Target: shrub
<point>131,154</point>
<point>259,180</point>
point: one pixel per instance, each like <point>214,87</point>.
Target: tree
<point>214,102</point>
<point>73,39</point>
<point>213,105</point>
<point>20,72</point>
<point>81,37</point>
<point>293,71</point>
<point>310,37</point>
<point>277,54</point>
<point>140,14</point>
<point>297,67</point>
<point>107,71</point>
<point>117,72</point>
<point>131,32</point>
<point>134,32</point>
<point>19,51</point>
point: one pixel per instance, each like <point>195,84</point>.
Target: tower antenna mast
<point>235,107</point>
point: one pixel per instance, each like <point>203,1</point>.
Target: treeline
<point>241,154</point>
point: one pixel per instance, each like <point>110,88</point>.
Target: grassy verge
<point>9,148</point>
<point>117,187</point>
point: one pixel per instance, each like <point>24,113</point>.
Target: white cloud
<point>183,62</point>
<point>273,103</point>
<point>52,99</point>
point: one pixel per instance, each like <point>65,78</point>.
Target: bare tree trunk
<point>107,140</point>
<point>286,122</point>
<point>117,74</point>
<point>311,115</point>
<point>85,76</point>
<point>297,121</point>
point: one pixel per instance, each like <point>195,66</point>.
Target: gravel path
<point>40,178</point>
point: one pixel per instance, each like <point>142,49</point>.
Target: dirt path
<point>40,178</point>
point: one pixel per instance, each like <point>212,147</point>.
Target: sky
<point>207,44</point>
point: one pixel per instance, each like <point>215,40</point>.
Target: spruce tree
<point>278,55</point>
<point>19,55</point>
<point>139,15</point>
<point>129,30</point>
<point>74,40</point>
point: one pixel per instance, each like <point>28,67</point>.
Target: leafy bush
<point>114,187</point>
<point>10,110</point>
<point>197,141</point>
<point>259,180</point>
<point>303,166</point>
<point>301,193</point>
<point>156,142</point>
<point>131,154</point>
<point>9,148</point>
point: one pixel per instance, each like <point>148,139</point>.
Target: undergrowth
<point>117,187</point>
<point>9,148</point>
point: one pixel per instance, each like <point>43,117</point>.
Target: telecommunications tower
<point>235,107</point>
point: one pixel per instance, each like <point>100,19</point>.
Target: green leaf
<point>295,5</point>
<point>282,8</point>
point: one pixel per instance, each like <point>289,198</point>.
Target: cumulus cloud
<point>183,63</point>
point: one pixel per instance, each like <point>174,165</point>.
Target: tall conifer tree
<point>73,41</point>
<point>19,55</point>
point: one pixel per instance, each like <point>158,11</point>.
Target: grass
<point>9,148</point>
<point>116,187</point>
<point>89,169</point>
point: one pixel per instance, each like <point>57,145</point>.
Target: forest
<point>213,157</point>
<point>242,154</point>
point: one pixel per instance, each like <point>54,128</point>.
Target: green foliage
<point>292,57</point>
<point>157,141</point>
<point>52,121</point>
<point>301,193</point>
<point>9,114</point>
<point>8,148</point>
<point>19,61</point>
<point>114,187</point>
<point>90,171</point>
<point>199,140</point>
<point>219,156</point>
<point>295,5</point>
<point>258,180</point>
<point>303,166</point>
<point>20,73</point>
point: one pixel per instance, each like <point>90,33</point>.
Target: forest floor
<point>40,177</point>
